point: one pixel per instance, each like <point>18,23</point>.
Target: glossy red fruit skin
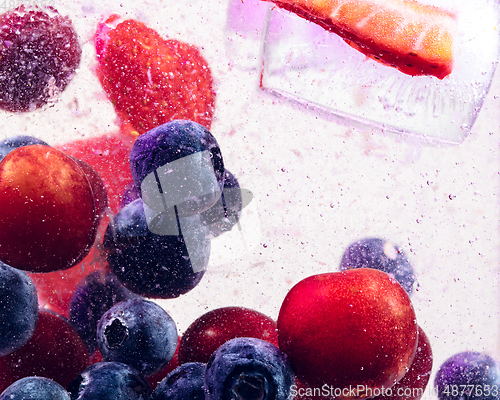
<point>108,155</point>
<point>413,384</point>
<point>98,190</point>
<point>151,80</point>
<point>52,216</point>
<point>55,351</point>
<point>207,333</point>
<point>348,328</point>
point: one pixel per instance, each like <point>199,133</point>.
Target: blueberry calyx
<point>248,386</point>
<point>116,333</point>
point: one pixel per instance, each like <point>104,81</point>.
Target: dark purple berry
<point>468,375</point>
<point>35,388</point>
<point>139,333</point>
<point>39,54</point>
<point>155,265</point>
<point>178,164</point>
<point>92,298</point>
<point>18,309</point>
<point>248,369</point>
<point>184,382</point>
<point>382,255</point>
<point>109,381</point>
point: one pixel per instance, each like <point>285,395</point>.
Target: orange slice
<point>415,38</point>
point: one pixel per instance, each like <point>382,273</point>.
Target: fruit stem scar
<point>249,387</point>
<point>116,333</point>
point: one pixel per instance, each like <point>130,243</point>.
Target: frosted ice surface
<point>303,62</point>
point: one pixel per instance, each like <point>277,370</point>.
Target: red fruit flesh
<point>38,56</point>
<point>52,220</point>
<point>415,38</point>
<point>349,328</point>
<point>150,80</point>
<point>55,289</point>
<point>55,351</point>
<point>108,155</point>
<point>211,330</point>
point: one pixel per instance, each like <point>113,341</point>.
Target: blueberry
<point>109,381</point>
<point>153,265</point>
<point>129,194</point>
<point>248,369</point>
<point>92,298</point>
<point>9,144</point>
<point>35,388</point>
<point>139,333</point>
<point>226,212</point>
<point>183,383</point>
<point>382,255</point>
<point>178,164</point>
<point>468,375</point>
<point>18,309</point>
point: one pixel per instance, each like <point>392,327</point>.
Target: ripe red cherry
<point>348,328</point>
<point>216,327</point>
<point>54,209</point>
<point>55,351</point>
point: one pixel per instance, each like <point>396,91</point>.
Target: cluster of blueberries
<point>159,244</point>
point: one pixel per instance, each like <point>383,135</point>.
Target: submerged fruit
<point>55,206</point>
<point>354,330</point>
<point>151,80</point>
<point>39,53</point>
<point>415,38</point>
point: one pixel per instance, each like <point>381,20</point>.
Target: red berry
<point>38,57</point>
<point>151,80</point>
<point>54,351</point>
<point>348,328</point>
<point>213,329</point>
<point>53,213</point>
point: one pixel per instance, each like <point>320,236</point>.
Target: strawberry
<point>415,38</point>
<point>151,80</point>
